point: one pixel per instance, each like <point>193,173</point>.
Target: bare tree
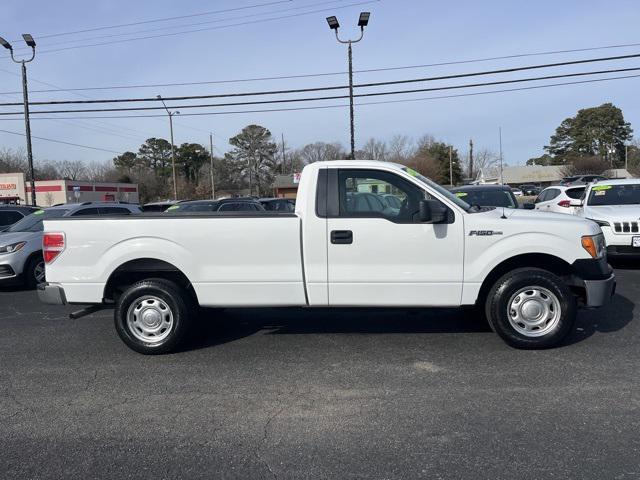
<point>72,169</point>
<point>400,149</point>
<point>484,160</point>
<point>321,151</point>
<point>375,150</point>
<point>585,165</point>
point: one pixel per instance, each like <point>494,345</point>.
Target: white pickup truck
<point>364,233</point>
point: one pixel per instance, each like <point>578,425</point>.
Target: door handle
<point>341,237</point>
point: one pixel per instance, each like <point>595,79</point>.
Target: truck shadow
<point>223,326</point>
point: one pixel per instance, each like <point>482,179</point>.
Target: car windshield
<point>487,197</point>
<point>33,222</point>
<point>626,194</point>
<point>441,190</point>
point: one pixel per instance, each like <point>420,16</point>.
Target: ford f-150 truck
<point>345,245</point>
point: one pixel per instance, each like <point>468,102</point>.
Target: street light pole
<point>213,191</point>
<point>173,153</point>
<point>25,97</point>
<point>363,21</point>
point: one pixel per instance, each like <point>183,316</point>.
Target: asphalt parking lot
<point>320,394</point>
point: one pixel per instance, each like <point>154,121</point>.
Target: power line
<point>61,141</point>
<point>250,22</point>
<point>320,74</point>
<point>381,102</point>
<point>173,27</point>
<point>336,97</point>
<point>334,87</point>
<point>165,19</point>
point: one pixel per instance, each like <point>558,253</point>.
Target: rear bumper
<point>51,294</point>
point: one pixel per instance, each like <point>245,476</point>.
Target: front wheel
<point>152,316</point>
<point>531,308</point>
<point>34,272</point>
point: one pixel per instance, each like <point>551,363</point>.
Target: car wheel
<point>34,272</point>
<point>531,308</point>
<point>153,316</point>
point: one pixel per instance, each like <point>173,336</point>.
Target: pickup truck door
<point>378,251</point>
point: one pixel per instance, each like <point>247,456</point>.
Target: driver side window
<point>377,194</point>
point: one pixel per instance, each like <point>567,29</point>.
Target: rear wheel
<point>34,272</point>
<point>531,308</point>
<point>153,316</point>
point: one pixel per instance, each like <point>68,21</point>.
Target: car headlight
<point>14,247</point>
<point>595,245</point>
<point>602,223</point>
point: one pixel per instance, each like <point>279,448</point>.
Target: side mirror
<point>432,211</point>
<point>575,202</point>
<point>529,206</point>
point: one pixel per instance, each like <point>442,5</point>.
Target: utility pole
<point>173,153</point>
<point>25,97</point>
<point>626,157</point>
<point>363,21</point>
<point>471,158</point>
<point>500,137</point>
<point>213,190</point>
<point>284,160</point>
<point>451,165</point>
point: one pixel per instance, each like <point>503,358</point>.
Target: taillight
<point>564,203</point>
<point>52,245</point>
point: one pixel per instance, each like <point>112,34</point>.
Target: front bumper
<point>599,292</point>
<point>51,294</point>
<point>597,279</point>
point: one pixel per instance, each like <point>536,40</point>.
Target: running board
<point>88,310</point>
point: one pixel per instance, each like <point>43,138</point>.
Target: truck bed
<point>231,258</point>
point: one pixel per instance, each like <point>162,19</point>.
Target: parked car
<point>530,190</point>
<point>558,199</point>
<point>21,259</point>
<point>487,195</point>
<point>156,207</point>
<point>10,214</point>
<point>523,269</point>
<point>246,204</point>
<point>278,204</point>
<point>516,191</point>
<point>615,206</point>
<point>581,179</point>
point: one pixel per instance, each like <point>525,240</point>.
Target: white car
<point>615,206</point>
<point>557,199</point>
<point>516,191</point>
<point>342,247</point>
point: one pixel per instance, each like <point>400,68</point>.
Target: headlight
<point>602,223</point>
<point>14,247</point>
<point>594,244</point>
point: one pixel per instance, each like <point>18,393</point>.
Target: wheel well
<point>143,268</point>
<point>533,260</point>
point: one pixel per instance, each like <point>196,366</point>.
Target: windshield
<point>441,190</point>
<point>33,222</point>
<point>488,198</point>
<point>628,194</point>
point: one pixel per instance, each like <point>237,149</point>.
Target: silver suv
<point>21,244</point>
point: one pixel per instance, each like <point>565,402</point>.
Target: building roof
<point>532,174</point>
<point>285,181</point>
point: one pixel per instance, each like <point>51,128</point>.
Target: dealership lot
<point>316,394</point>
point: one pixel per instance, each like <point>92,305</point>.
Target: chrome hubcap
<point>38,272</point>
<point>534,311</point>
<point>150,319</point>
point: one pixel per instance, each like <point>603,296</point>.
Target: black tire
<point>535,283</point>
<point>149,297</point>
<point>30,272</point>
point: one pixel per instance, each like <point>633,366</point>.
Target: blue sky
<point>401,33</point>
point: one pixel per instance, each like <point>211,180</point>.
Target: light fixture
<point>28,39</point>
<point>363,21</point>
<point>5,44</point>
<point>333,23</point>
